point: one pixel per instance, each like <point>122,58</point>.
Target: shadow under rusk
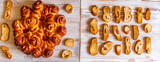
<point>122,13</point>
<point>114,49</point>
<point>144,14</point>
<point>144,44</point>
<point>133,46</point>
<point>60,53</point>
<point>90,9</point>
<point>101,31</point>
<point>88,45</point>
<point>88,25</point>
<point>112,31</point>
<point>135,15</point>
<point>132,35</point>
<point>100,15</point>
<point>123,45</point>
<point>113,14</point>
<point>4,8</point>
<point>142,26</point>
<point>64,6</point>
<point>63,42</point>
<point>122,29</point>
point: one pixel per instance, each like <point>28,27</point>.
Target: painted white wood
<point>72,25</point>
<point>86,36</point>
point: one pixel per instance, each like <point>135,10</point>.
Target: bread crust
<point>105,32</point>
<point>148,14</point>
<point>138,47</point>
<point>117,33</point>
<point>118,49</point>
<point>93,47</point>
<point>117,14</point>
<point>127,45</point>
<point>39,30</point>
<point>69,42</point>
<point>135,32</point>
<point>139,15</point>
<point>126,29</point>
<point>69,8</point>
<point>93,26</point>
<point>148,47</point>
<point>127,14</point>
<point>6,51</point>
<point>107,14</point>
<point>8,10</point>
<point>106,47</point>
<point>94,10</point>
<point>5,32</point>
<point>66,54</point>
<point>147,28</point>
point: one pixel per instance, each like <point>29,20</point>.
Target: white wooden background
<point>73,31</point>
<point>111,56</point>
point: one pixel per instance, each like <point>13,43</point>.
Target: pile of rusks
<point>127,17</point>
<point>40,29</point>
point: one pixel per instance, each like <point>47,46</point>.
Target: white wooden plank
<point>111,56</point>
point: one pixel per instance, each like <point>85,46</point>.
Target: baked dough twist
<point>39,30</point>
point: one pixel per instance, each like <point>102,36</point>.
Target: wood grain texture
<point>86,36</point>
<point>72,24</point>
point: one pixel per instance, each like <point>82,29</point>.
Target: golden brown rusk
<point>117,14</point>
<point>94,10</point>
<point>8,10</point>
<point>107,14</point>
<point>117,33</point>
<point>105,32</point>
<point>94,47</point>
<point>106,47</point>
<point>93,26</point>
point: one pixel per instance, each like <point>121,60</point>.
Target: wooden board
<point>86,36</point>
<point>72,25</point>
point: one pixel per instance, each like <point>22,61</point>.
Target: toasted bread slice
<point>126,29</point>
<point>105,32</point>
<point>69,42</point>
<point>8,10</point>
<point>6,51</point>
<point>147,28</point>
<point>107,14</point>
<point>117,14</point>
<point>117,32</point>
<point>118,49</point>
<point>106,47</point>
<point>93,47</point>
<point>139,15</point>
<point>93,26</point>
<point>127,45</point>
<point>69,8</point>
<point>138,47</point>
<point>66,54</point>
<point>127,14</point>
<point>94,10</point>
<point>135,32</point>
<point>148,45</point>
<point>5,32</point>
<point>148,14</point>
